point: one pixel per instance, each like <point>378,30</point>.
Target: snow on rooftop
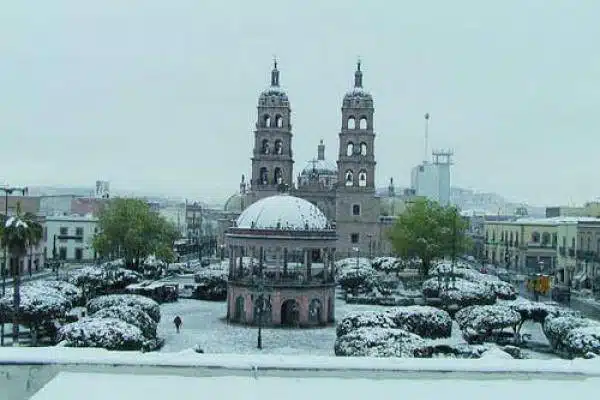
<point>96,386</point>
<point>551,221</point>
<point>282,212</point>
<point>322,166</point>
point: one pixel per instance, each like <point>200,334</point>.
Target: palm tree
<point>21,232</point>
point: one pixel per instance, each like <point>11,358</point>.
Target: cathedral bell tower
<point>357,208</point>
<point>272,159</point>
<point>356,158</point>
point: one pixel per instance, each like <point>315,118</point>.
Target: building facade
<point>69,238</point>
<point>568,247</point>
<point>432,179</point>
<point>344,191</point>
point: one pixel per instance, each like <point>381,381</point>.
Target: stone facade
<point>348,199</point>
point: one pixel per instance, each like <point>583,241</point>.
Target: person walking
<point>177,321</point>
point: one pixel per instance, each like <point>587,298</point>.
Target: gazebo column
<point>307,263</point>
<point>285,262</point>
<point>231,263</point>
<point>278,262</point>
<point>261,256</point>
<point>241,258</point>
<point>325,259</point>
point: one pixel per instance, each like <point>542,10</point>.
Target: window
<point>356,209</point>
<point>363,149</point>
<point>363,123</point>
<point>79,254</point>
<point>79,234</point>
<point>279,121</point>
<point>349,177</point>
<point>264,148</point>
<point>354,238</point>
<point>62,253</point>
<point>351,123</point>
<point>64,231</point>
<point>535,237</point>
<point>266,121</point>
<point>573,243</point>
<point>350,149</point>
<point>362,178</point>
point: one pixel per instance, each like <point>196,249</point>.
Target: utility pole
<point>7,191</point>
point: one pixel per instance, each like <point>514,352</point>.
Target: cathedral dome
<point>322,167</point>
<point>234,203</point>
<point>282,211</point>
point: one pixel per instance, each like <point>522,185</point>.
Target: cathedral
<point>344,191</point>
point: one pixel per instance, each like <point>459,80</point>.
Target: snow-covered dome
<point>282,211</point>
<point>234,203</point>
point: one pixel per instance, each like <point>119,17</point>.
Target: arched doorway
<point>239,314</point>
<point>290,313</point>
<point>315,312</point>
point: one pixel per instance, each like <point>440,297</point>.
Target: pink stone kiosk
<point>285,246</point>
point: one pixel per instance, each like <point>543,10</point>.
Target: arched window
<point>266,121</point>
<point>263,176</point>
<point>511,239</point>
<point>589,243</point>
<point>363,149</point>
<point>279,121</point>
<point>573,243</point>
<point>516,239</point>
<point>363,123</point>
<point>278,176</point>
<point>350,149</point>
<point>535,237</point>
<point>362,178</point>
<point>265,148</point>
<point>349,178</point>
<point>278,147</point>
<point>351,123</point>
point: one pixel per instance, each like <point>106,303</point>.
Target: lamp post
<point>370,236</point>
<point>7,191</point>
<point>222,247</point>
<point>261,301</point>
<point>357,251</point>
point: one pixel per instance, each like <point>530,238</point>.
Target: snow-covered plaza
<point>204,325</point>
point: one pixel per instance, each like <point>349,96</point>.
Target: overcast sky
<point>161,96</point>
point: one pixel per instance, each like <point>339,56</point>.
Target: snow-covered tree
<point>73,294</point>
<point>38,304</point>
<point>579,342</point>
<point>359,280</point>
<point>460,292</point>
<point>132,315</point>
<point>146,304</point>
<point>107,333</point>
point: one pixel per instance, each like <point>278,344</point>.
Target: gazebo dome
<point>282,212</point>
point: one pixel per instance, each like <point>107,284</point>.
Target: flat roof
<point>102,386</point>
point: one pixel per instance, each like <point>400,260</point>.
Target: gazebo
<point>281,264</point>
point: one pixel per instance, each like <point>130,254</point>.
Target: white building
<point>72,237</point>
<point>432,179</point>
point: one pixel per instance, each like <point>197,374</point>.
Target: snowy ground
<point>204,324</point>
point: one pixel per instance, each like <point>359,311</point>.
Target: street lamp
<point>262,301</point>
<point>7,191</point>
<point>222,247</point>
<point>370,236</point>
<point>357,251</point>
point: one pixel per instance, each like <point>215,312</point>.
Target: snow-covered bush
<point>387,264</point>
<point>364,319</point>
<point>579,342</point>
<point>461,293</point>
<point>70,291</point>
<point>427,322</point>
<point>107,333</point>
<point>212,284</point>
<point>132,315</point>
<point>538,312</point>
<point>503,290</point>
<point>381,342</point>
<point>479,322</point>
<point>360,280</point>
<point>352,262</point>
<point>102,278</point>
<point>556,329</point>
<point>146,304</point>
